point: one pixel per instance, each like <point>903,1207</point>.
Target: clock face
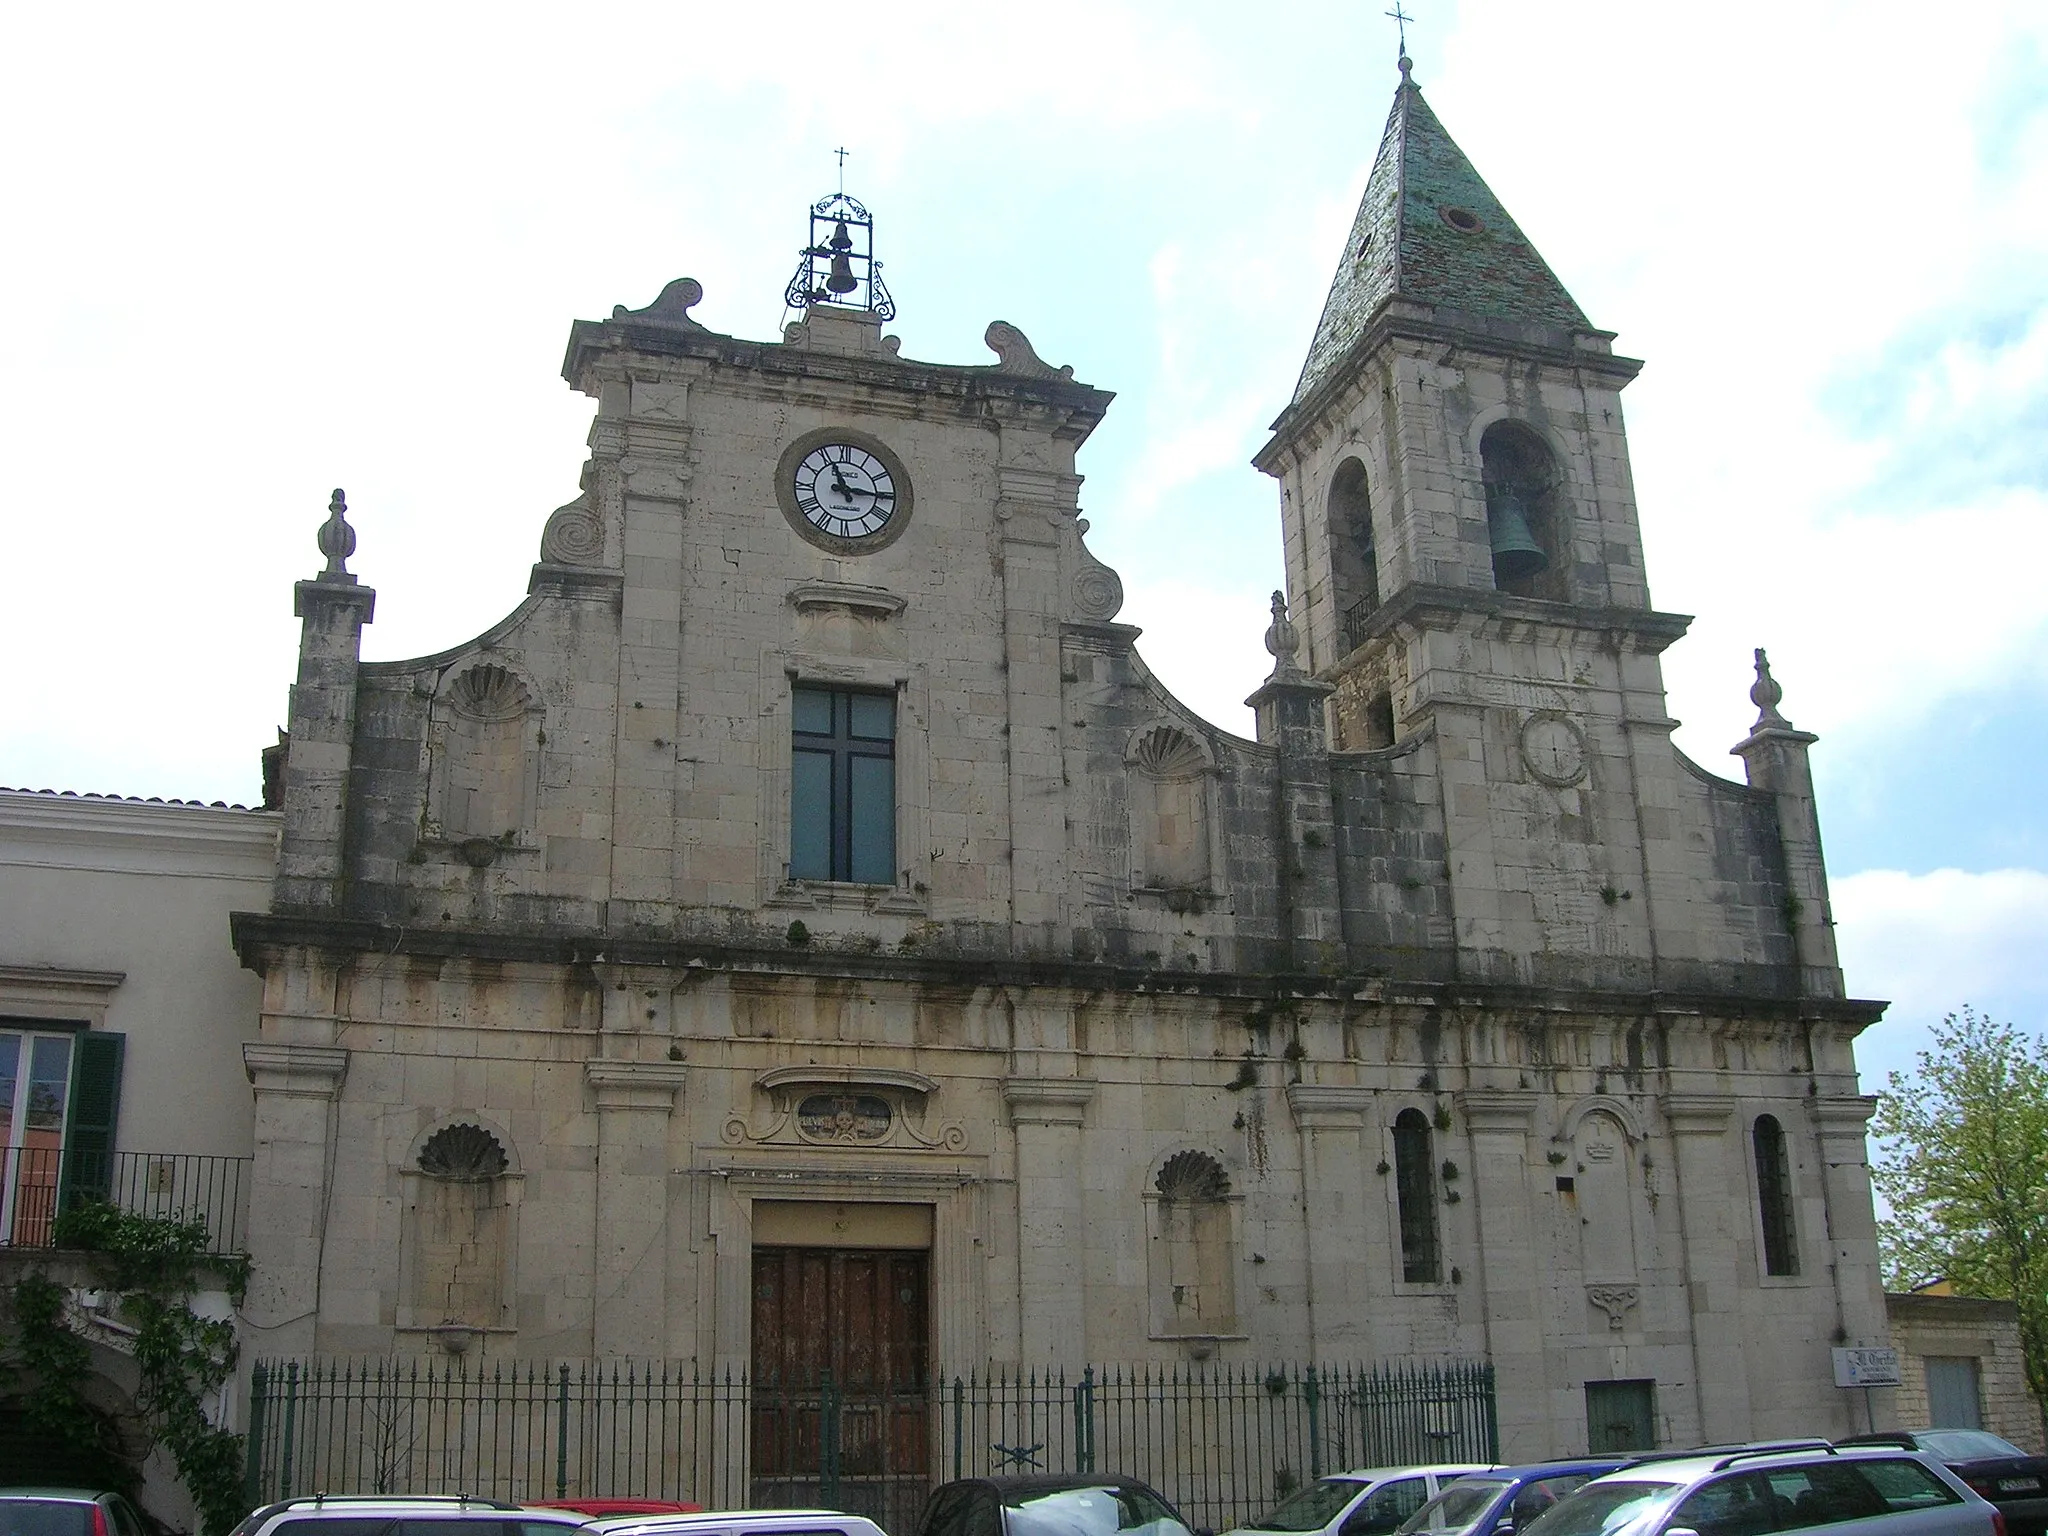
<point>1553,750</point>
<point>844,491</point>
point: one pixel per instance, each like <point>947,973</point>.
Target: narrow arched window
<point>1774,1197</point>
<point>1354,565</point>
<point>1415,1190</point>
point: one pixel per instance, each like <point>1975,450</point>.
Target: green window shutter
<point>95,1106</point>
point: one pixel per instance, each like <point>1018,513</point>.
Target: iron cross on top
<point>1401,20</point>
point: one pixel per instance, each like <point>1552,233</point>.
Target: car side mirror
<point>1505,1526</point>
<point>1681,1530</point>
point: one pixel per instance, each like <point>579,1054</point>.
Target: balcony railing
<point>37,1182</point>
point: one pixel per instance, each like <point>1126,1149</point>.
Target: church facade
<point>803,925</point>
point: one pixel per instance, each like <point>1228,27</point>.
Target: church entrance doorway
<point>841,1371</point>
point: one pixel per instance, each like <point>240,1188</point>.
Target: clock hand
<point>839,484</point>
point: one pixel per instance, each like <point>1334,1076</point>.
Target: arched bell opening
<point>1524,507</point>
<point>1354,564</point>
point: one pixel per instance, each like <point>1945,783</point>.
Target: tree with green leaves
<point>1962,1160</point>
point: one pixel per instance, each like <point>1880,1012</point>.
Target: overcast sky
<point>258,252</point>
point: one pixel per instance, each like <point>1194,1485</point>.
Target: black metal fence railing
<point>38,1182</point>
<point>1224,1443</point>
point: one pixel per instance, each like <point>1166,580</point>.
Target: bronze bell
<point>1516,554</point>
<point>841,278</point>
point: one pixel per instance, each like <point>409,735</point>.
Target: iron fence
<point>37,1182</point>
<point>1224,1443</point>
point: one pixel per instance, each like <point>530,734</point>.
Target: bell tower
<point>1455,443</point>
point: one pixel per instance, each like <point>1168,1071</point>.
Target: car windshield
<point>45,1517</point>
<point>1312,1508</point>
<point>1965,1444</point>
<point>1599,1509</point>
<point>1101,1511</point>
<point>1457,1508</point>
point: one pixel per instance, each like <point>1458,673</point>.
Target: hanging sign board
<point>1866,1367</point>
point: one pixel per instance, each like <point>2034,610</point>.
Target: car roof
<point>81,1495</point>
<point>1691,1465</point>
<point>1055,1482</point>
<point>684,1520</point>
<point>1558,1468</point>
<point>1381,1474</point>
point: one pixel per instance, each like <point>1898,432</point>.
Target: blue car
<point>1504,1500</point>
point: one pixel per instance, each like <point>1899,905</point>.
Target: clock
<point>843,489</point>
<point>1553,750</point>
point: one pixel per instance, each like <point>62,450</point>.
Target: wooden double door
<point>841,1381</point>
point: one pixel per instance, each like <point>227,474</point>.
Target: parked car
<point>67,1512</point>
<point>1504,1500</point>
<point>1754,1492</point>
<point>737,1522</point>
<point>601,1508</point>
<point>406,1515</point>
<point>1995,1469</point>
<point>1049,1504</point>
<point>1373,1501</point>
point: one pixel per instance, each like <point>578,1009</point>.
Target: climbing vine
<point>152,1265</point>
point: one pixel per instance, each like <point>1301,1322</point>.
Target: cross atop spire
<point>1401,19</point>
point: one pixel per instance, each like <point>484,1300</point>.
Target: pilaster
<point>1331,1120</point>
<point>1046,1116</point>
<point>1498,1123</point>
<point>634,1101</point>
<point>1709,1186</point>
<point>332,609</point>
<point>1289,710</point>
<point>1775,756</point>
<point>295,1089</point>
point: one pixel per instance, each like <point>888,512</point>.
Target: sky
<point>255,253</point>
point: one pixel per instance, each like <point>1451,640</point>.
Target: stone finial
<point>337,540</point>
<point>1282,639</point>
<point>1765,693</point>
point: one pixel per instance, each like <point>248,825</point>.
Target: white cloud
<point>1932,943</point>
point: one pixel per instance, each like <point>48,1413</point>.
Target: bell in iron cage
<point>1516,554</point>
<point>841,278</point>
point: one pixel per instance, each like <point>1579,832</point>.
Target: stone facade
<point>1123,1044</point>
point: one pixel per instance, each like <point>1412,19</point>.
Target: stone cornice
<point>1328,1108</point>
<point>1497,615</point>
<point>1397,321</point>
<point>261,936</point>
<point>1047,1101</point>
<point>636,1084</point>
<point>295,1071</point>
<point>775,364</point>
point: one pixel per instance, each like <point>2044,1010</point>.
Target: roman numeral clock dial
<point>843,490</point>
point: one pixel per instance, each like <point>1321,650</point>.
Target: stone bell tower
<point>1464,564</point>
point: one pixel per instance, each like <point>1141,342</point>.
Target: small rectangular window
<point>842,786</point>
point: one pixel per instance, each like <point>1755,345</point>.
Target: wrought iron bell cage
<point>838,266</point>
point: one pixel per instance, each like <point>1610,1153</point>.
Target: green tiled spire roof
<point>1429,229</point>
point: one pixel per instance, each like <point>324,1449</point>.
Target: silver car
<point>1758,1492</point>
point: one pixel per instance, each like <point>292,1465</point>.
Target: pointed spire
<point>1429,229</point>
